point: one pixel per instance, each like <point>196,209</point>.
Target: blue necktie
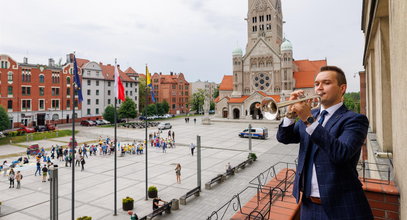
<point>310,160</point>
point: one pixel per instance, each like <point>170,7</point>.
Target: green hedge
<point>16,138</point>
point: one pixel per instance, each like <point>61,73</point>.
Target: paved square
<point>94,186</point>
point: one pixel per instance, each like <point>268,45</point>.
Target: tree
<point>212,106</point>
<point>352,101</point>
<point>142,93</point>
<point>108,114</point>
<point>4,119</point>
<point>127,109</point>
<point>166,106</point>
<point>151,109</point>
<point>197,100</point>
<point>216,92</point>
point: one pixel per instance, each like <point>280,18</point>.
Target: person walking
<point>82,163</point>
<point>330,140</point>
<point>38,168</point>
<point>194,120</point>
<point>192,146</point>
<point>178,172</point>
<point>19,177</point>
<point>44,173</point>
<point>173,135</point>
<point>11,177</point>
<point>78,159</point>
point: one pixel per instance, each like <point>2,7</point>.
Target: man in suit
<point>330,144</point>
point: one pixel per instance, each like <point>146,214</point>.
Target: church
<point>266,69</point>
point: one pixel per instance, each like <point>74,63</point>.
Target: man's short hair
<point>340,75</point>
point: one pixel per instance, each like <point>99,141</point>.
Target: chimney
<point>25,60</point>
<point>51,62</point>
<point>69,58</point>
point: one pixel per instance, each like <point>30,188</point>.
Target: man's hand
<point>302,109</point>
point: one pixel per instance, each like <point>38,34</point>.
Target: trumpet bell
<point>269,108</point>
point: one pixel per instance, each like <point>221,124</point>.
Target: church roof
<point>307,70</point>
<point>227,83</point>
<point>238,100</point>
<point>275,97</point>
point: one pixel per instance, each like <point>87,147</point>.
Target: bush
<point>127,200</point>
<point>84,218</point>
<point>152,189</point>
<point>252,156</point>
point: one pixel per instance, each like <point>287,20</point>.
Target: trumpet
<point>271,109</point>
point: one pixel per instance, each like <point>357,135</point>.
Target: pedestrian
<point>38,168</point>
<point>19,177</point>
<point>44,173</point>
<point>173,135</point>
<point>133,215</point>
<point>156,203</point>
<point>228,168</point>
<point>169,133</point>
<point>192,146</point>
<point>194,120</point>
<point>330,140</point>
<point>11,177</point>
<point>78,160</point>
<point>178,172</point>
<point>82,163</point>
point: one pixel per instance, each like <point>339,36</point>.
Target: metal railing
<point>261,191</point>
<point>364,166</point>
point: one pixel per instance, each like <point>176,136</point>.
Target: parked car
<point>26,129</point>
<point>50,127</point>
<point>106,122</point>
<point>99,122</point>
<point>41,128</point>
<point>164,125</point>
<point>255,133</point>
<point>87,123</point>
<point>142,117</point>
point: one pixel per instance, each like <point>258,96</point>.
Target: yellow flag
<point>148,75</point>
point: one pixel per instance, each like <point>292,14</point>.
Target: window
<point>88,91</point>
<point>97,101</point>
<point>10,104</point>
<point>88,101</point>
<point>174,99</point>
<point>10,90</point>
<point>127,93</point>
<point>55,104</point>
<point>68,91</point>
<point>88,111</point>
<point>75,103</point>
<point>131,93</point>
<point>26,104</point>
<point>10,76</point>
<point>55,91</point>
<point>41,104</point>
<point>26,90</point>
<point>97,111</point>
<point>68,80</point>
<point>135,90</point>
<point>68,104</point>
<point>89,82</point>
<point>97,82</point>
<point>127,84</point>
<point>4,64</point>
<point>109,83</point>
<point>108,92</point>
<point>173,106</point>
<point>108,102</point>
<point>41,90</point>
<point>97,91</point>
<point>186,93</point>
<point>186,86</point>
<point>42,79</point>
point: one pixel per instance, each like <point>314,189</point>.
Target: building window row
<point>54,91</point>
<point>25,90</point>
<point>4,64</point>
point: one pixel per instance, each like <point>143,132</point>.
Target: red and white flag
<point>118,85</point>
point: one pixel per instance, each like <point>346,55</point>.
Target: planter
<point>128,206</point>
<point>152,194</point>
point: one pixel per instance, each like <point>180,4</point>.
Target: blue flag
<point>77,80</point>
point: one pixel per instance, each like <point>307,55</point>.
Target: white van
<point>256,133</point>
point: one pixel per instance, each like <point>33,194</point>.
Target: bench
<point>165,208</point>
<point>218,179</point>
<point>195,191</point>
<point>241,165</point>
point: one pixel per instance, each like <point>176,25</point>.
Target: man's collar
<point>332,109</point>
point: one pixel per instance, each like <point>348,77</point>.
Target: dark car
<point>41,128</point>
<point>142,117</point>
<point>87,123</point>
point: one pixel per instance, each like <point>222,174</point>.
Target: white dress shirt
<point>310,129</point>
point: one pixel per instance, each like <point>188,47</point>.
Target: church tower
<point>237,72</point>
<point>287,67</point>
<point>264,20</point>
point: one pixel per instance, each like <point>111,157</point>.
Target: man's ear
<point>343,88</point>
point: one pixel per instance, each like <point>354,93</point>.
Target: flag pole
<point>73,147</point>
<point>146,147</point>
<point>115,149</point>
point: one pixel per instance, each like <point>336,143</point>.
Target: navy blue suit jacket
<point>339,146</point>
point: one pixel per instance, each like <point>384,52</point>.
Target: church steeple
<point>264,20</point>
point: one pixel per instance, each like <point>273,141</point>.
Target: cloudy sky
<point>195,37</point>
